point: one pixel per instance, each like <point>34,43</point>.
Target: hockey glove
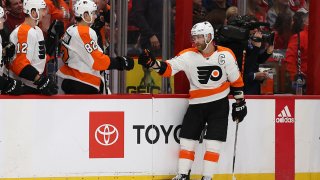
<point>98,24</point>
<point>14,87</point>
<point>146,59</point>
<point>126,63</point>
<point>46,86</point>
<point>55,33</point>
<point>8,51</point>
<point>56,29</point>
<point>239,110</point>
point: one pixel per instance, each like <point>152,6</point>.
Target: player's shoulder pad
<point>91,31</point>
<point>26,29</point>
<point>189,50</point>
<point>72,29</point>
<point>31,33</point>
<point>226,51</point>
<point>83,30</point>
<point>37,28</point>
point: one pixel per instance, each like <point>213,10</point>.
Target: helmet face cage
<point>203,28</point>
<point>28,5</point>
<point>83,6</point>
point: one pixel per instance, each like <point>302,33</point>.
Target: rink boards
<point>136,137</point>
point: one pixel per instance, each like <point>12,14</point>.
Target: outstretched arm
<point>147,60</point>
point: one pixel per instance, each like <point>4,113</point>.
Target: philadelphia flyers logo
<point>214,73</point>
<point>65,53</point>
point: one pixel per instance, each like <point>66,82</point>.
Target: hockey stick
<point>56,56</point>
<point>203,133</point>
<point>234,151</point>
<point>105,82</point>
<point>52,66</point>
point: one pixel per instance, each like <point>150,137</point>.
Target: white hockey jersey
<point>30,49</point>
<point>210,77</point>
<point>83,57</point>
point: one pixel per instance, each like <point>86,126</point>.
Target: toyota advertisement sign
<point>106,139</point>
<point>139,139</point>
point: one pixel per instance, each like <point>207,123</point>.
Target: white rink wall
<point>51,137</point>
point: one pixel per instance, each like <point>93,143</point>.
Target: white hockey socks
<point>211,157</point>
<point>186,155</point>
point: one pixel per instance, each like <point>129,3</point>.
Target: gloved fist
<point>126,62</point>
<point>14,87</point>
<point>98,23</point>
<point>46,86</point>
<point>56,29</point>
<point>146,59</point>
<point>8,50</point>
<point>239,110</point>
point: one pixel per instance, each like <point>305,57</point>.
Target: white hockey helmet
<point>1,12</point>
<point>203,28</point>
<point>28,5</point>
<point>3,16</point>
<point>82,6</point>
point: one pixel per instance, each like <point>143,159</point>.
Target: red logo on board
<point>106,135</point>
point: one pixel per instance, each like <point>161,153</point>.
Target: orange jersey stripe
<point>21,60</point>
<point>85,77</point>
<point>238,82</point>
<point>208,92</point>
<point>211,156</point>
<point>168,71</point>
<point>187,50</point>
<point>101,61</point>
<point>185,154</point>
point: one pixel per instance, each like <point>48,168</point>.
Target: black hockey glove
<point>98,23</point>
<point>56,29</point>
<point>8,51</point>
<point>14,87</point>
<point>126,63</point>
<point>239,110</point>
<point>146,59</point>
<point>55,33</point>
<point>46,86</point>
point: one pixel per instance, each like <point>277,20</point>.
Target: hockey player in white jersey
<point>212,71</point>
<point>82,55</point>
<point>7,85</point>
<point>29,61</point>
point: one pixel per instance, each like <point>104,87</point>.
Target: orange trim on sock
<point>211,156</point>
<point>185,154</point>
